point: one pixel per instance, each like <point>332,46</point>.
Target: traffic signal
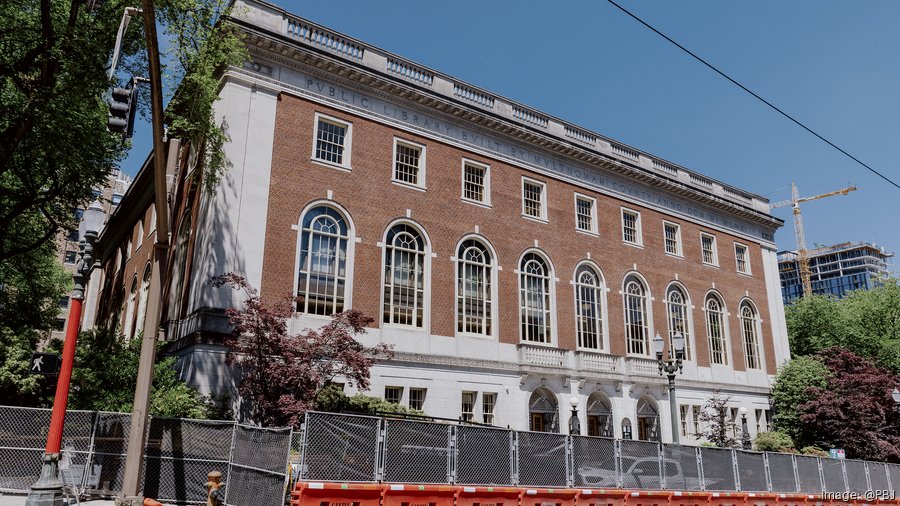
<point>122,109</point>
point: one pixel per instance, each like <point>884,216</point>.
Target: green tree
<point>773,442</point>
<point>30,288</point>
<point>815,323</point>
<point>104,374</point>
<point>333,399</point>
<point>791,389</point>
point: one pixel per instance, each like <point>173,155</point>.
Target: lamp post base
<point>48,490</point>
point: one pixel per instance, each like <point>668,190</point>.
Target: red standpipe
<point>58,417</point>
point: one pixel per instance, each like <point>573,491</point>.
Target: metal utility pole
<point>131,486</point>
<point>802,252</point>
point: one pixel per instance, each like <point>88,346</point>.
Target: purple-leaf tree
<point>855,410</point>
<point>282,374</point>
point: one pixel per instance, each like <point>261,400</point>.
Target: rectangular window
<point>585,214</point>
<point>467,409</point>
<point>393,394</point>
<point>59,325</point>
<point>672,232</point>
<point>735,423</point>
<point>332,142</point>
<point>534,199</point>
<point>488,403</point>
<point>417,398</point>
<point>695,418</point>
<point>476,182</point>
<point>409,163</point>
<point>71,256</point>
<point>685,412</point>
<point>63,303</point>
<point>760,425</point>
<point>72,236</point>
<point>708,247</point>
<point>741,258</point>
<point>631,227</point>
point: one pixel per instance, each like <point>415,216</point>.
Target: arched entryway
<point>543,411</point>
<point>599,416</point>
<point>648,419</point>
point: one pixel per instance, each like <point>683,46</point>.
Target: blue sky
<point>833,65</point>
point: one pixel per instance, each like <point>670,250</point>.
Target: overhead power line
<point>761,99</point>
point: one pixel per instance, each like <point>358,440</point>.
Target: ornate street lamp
<point>47,491</point>
<point>745,434</point>
<point>670,367</point>
<point>574,423</point>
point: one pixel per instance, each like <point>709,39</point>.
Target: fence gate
<point>258,467</point>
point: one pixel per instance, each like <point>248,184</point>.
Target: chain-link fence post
<point>700,468</point>
<point>796,473</point>
<point>570,474</point>
<point>514,456</point>
<point>90,456</point>
<point>451,455</point>
<point>379,451</point>
<point>821,473</point>
<point>868,479</point>
<point>659,460</point>
<point>768,476</point>
<point>844,471</point>
<point>736,470</point>
<point>618,456</point>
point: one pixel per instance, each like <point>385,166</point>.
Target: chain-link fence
<point>256,462</point>
<point>178,455</point>
<point>339,447</point>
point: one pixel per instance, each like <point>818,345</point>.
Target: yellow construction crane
<point>802,253</point>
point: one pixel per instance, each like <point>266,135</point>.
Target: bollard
<point>213,486</point>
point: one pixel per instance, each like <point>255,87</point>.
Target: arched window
<point>129,309</point>
<point>637,329</point>
<point>715,330</point>
<point>589,299</point>
<point>404,276</point>
<point>142,298</point>
<point>322,278</point>
<point>648,420</point>
<point>749,324</point>
<point>677,306</point>
<point>534,299</point>
<point>473,288</point>
<point>599,416</point>
<point>543,411</point>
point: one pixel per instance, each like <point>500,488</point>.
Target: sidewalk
<point>19,500</point>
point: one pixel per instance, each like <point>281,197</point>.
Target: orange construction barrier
<point>336,494</point>
<point>488,496</point>
<point>679,498</point>
<point>727,499</point>
<point>648,498</point>
<point>548,497</point>
<point>397,494</point>
<point>601,497</point>
<point>761,499</point>
<point>792,499</point>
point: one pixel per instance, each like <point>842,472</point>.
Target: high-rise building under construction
<point>835,270</point>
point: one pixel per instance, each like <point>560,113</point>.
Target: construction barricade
<point>548,497</point>
<point>337,494</point>
<point>601,497</point>
<point>793,499</point>
<point>648,498</point>
<point>488,496</point>
<point>760,499</point>
<point>418,495</point>
<point>727,499</point>
<point>679,498</point>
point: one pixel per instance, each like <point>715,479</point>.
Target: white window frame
<point>737,264</point>
<point>648,313</point>
<point>756,326</point>
<point>487,182</point>
<point>690,349</point>
<point>348,141</point>
<point>410,397</point>
<point>726,333</point>
<point>426,300</point>
<point>715,250</point>
<point>399,400</point>
<point>494,268</point>
<point>420,176</point>
<point>471,414</point>
<point>484,404</point>
<point>543,185</point>
<point>679,252</point>
<point>639,232</point>
<point>594,230</point>
<point>550,340</point>
<point>603,338</point>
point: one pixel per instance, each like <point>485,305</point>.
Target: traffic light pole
<point>131,486</point>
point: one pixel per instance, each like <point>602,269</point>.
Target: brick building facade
<point>514,260</point>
